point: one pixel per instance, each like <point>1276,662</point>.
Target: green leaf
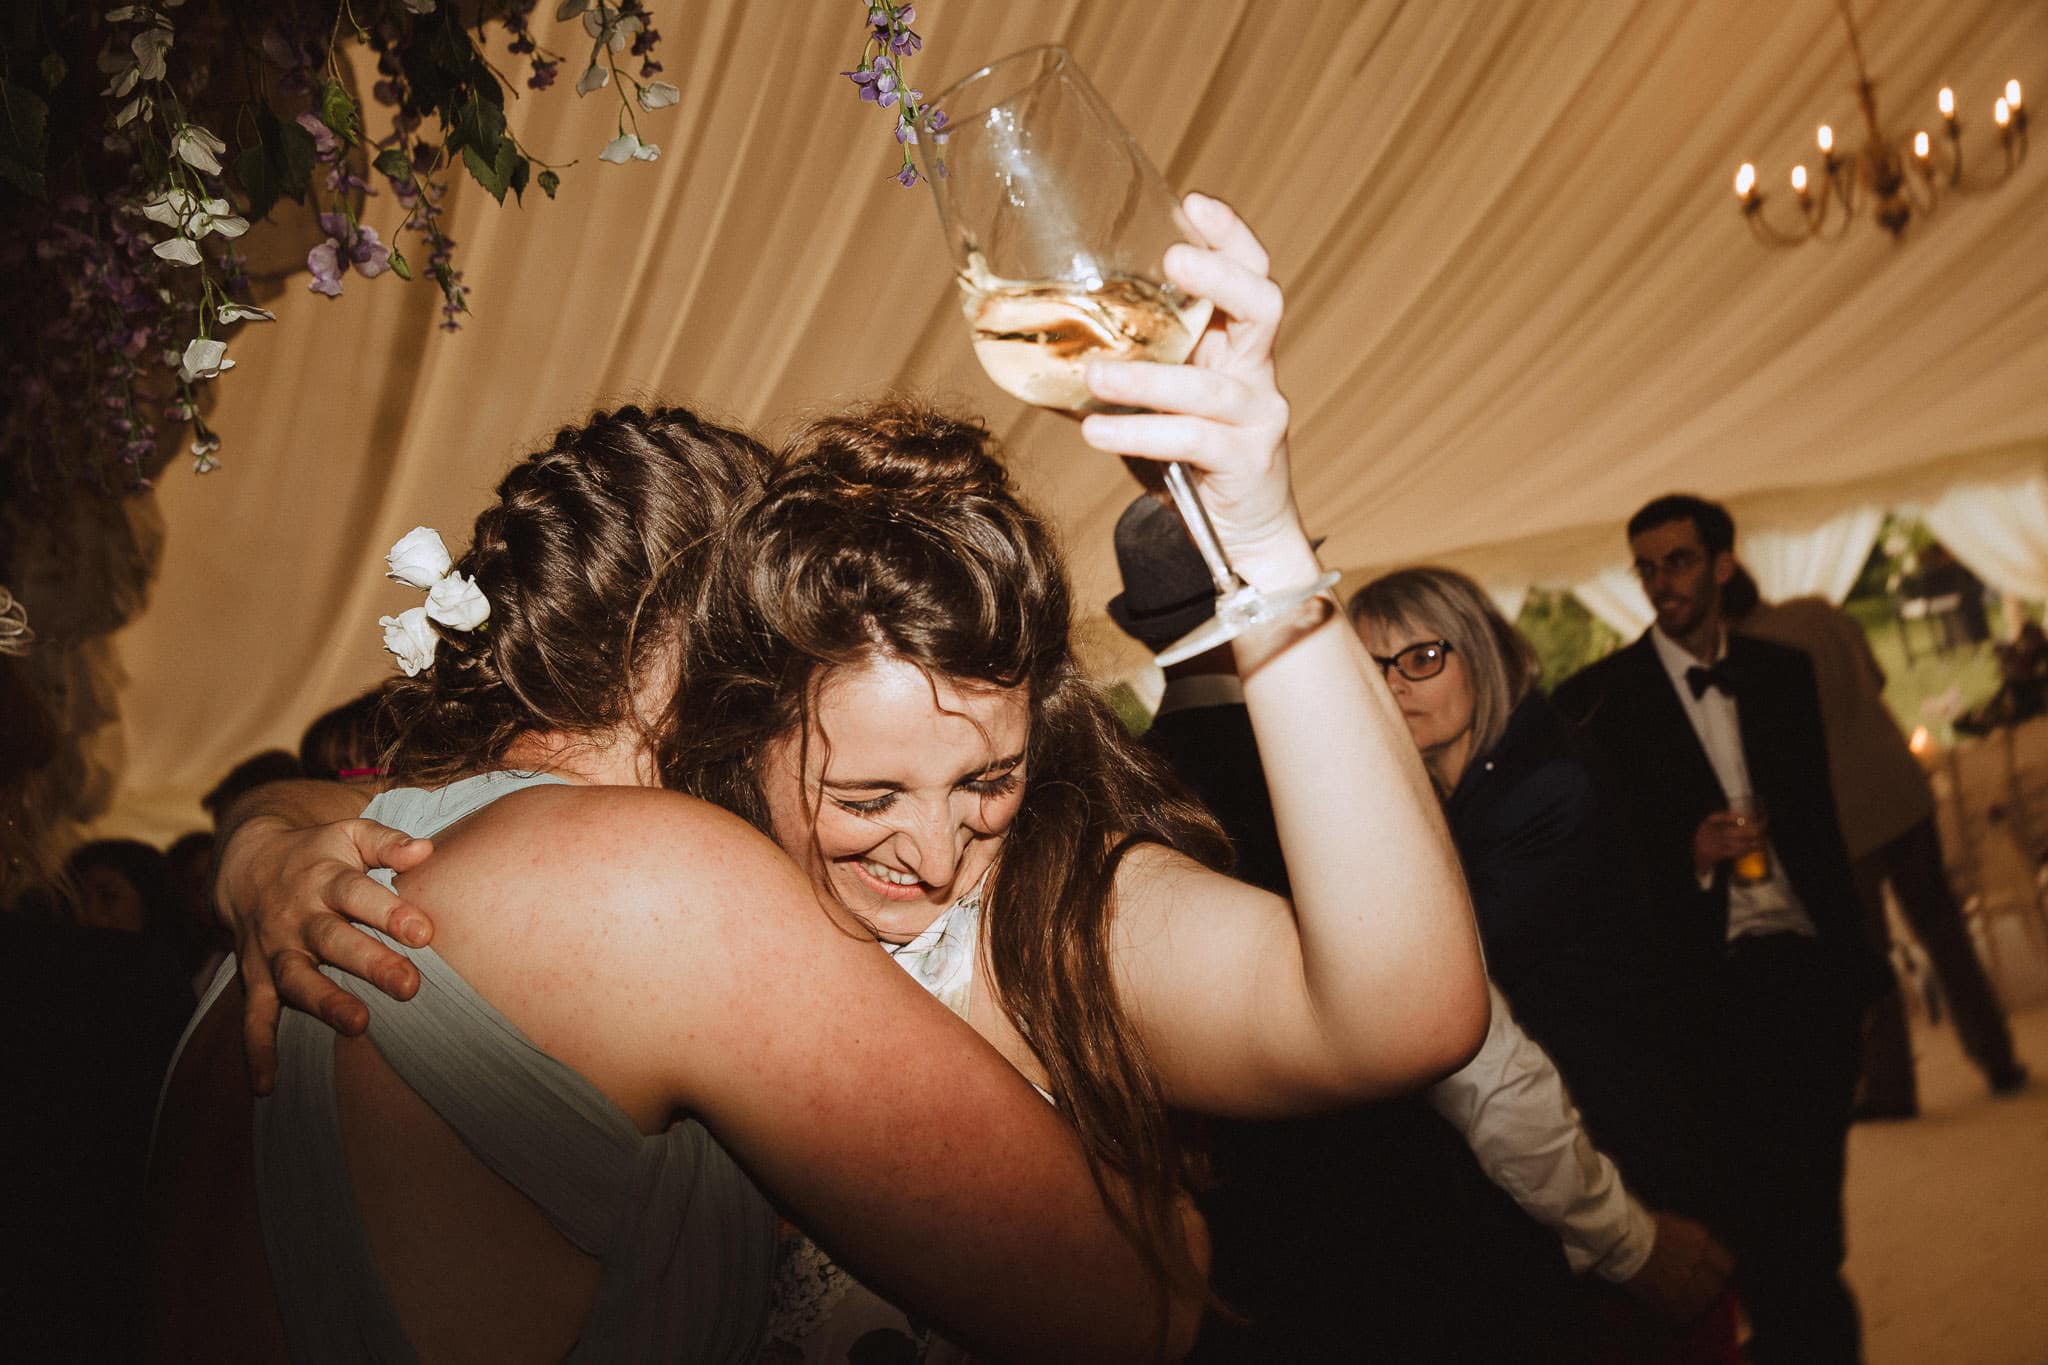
<point>494,175</point>
<point>23,116</point>
<point>295,159</point>
<point>53,71</point>
<point>338,112</point>
<point>549,183</point>
<point>393,162</point>
<point>521,168</point>
<point>278,164</point>
<point>399,266</point>
<point>481,124</point>
<point>252,168</point>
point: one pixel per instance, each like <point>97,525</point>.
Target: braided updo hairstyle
<point>581,559</point>
<point>893,531</point>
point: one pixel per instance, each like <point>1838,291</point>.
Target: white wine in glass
<point>1036,337</point>
<point>1059,227</point>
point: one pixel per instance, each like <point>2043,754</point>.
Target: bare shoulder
<point>637,867</point>
<point>624,834</point>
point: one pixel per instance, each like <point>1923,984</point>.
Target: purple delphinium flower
<point>326,146</point>
<point>907,176</point>
<point>370,256</point>
<point>544,73</point>
<point>324,261</point>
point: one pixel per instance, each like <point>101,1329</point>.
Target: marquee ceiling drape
<point>1521,301</point>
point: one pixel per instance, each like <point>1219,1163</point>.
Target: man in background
<point>1715,744</point>
<point>1886,806</point>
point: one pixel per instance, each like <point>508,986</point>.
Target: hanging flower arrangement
<point>879,78</point>
<point>138,143</point>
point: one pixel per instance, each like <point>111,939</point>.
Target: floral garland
<point>880,79</point>
<point>134,196</point>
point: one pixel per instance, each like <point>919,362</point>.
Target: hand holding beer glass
<point>1738,836</point>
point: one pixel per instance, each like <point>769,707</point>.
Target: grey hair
<point>1501,664</point>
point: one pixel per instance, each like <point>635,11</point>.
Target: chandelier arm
<point>1855,44</point>
<point>1769,233</point>
<point>1918,185</point>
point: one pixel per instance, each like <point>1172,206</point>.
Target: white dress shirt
<point>1521,1124</point>
<point>1770,906</point>
<point>1511,1106</point>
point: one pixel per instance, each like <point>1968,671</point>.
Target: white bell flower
<point>204,358</point>
<point>198,148</point>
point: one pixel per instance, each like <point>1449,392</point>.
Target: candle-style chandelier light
<point>1897,178</point>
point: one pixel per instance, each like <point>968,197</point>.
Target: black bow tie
<point>1700,679</point>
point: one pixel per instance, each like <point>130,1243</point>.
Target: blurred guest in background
<point>203,939</point>
<point>91,1002</point>
<point>347,744</point>
<point>1717,745</point>
<point>272,765</point>
<point>1554,880</point>
<point>1886,805</point>
<point>2022,684</point>
<point>1941,577</point>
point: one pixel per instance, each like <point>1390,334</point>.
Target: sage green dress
<point>685,1243</point>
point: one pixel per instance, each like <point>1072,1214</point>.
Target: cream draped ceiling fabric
<point>1520,302</point>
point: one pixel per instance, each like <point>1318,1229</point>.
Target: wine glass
<point>1059,227</point>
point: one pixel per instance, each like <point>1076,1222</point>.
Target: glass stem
<point>1196,518</point>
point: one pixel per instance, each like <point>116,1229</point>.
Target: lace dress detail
<point>821,1315</point>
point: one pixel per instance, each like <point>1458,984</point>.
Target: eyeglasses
<point>1680,561</point>
<point>1419,662</point>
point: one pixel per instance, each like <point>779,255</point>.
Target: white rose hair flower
<point>419,559</point>
<point>454,601</point>
<point>457,603</point>
<point>411,639</point>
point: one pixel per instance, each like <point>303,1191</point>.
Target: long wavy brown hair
<point>584,559</point>
<point>893,531</point>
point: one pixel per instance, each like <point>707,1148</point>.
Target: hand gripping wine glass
<point>1059,227</point>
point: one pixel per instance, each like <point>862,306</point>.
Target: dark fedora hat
<point>1167,589</point>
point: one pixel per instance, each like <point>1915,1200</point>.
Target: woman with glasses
<point>1567,937</point>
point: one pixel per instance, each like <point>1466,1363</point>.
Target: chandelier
<point>1897,178</point>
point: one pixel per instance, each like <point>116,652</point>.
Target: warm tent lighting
<point>1892,179</point>
<point>1921,741</point>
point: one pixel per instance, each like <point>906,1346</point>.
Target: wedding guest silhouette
<point>1699,728</point>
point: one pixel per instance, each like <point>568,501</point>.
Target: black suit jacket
<point>1599,983</point>
<point>1372,1229</point>
<point>1638,730</point>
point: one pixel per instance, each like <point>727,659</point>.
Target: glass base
<point>1237,612</point>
